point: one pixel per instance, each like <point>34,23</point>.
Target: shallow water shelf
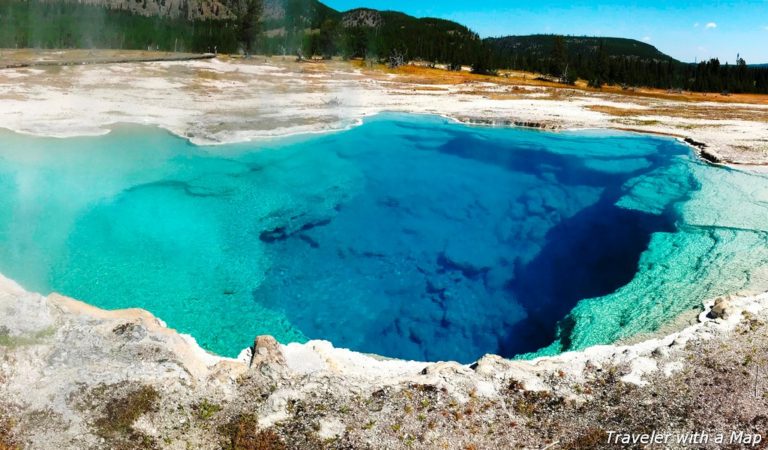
<point>408,236</point>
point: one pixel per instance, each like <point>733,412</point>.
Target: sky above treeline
<point>687,30</point>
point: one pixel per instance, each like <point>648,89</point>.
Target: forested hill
<point>597,59</point>
<point>621,61</point>
<point>372,33</point>
<point>541,45</point>
<point>231,26</point>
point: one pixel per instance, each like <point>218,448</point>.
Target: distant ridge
<point>543,45</point>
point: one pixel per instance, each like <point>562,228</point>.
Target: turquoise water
<point>408,236</point>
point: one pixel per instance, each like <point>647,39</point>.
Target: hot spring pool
<point>408,236</point>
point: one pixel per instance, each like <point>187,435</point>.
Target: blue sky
<point>687,30</point>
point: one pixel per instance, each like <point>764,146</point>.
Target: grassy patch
<point>697,112</point>
<point>205,410</point>
<point>7,441</point>
<point>637,123</point>
<point>6,340</point>
<point>120,413</point>
<point>242,433</point>
<point>589,439</point>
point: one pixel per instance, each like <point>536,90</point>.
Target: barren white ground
<point>224,101</point>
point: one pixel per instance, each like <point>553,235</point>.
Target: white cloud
<point>646,39</point>
<point>710,25</point>
<point>765,28</point>
<point>696,25</point>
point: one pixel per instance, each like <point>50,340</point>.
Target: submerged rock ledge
<point>75,376</point>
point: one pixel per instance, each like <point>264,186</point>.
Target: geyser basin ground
<point>408,236</point>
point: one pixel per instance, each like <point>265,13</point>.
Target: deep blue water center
<point>462,241</point>
<point>409,237</point>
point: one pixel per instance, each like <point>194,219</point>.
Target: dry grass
<point>13,57</point>
<point>411,74</point>
<point>120,411</point>
<point>689,112</point>
<point>755,99</point>
<point>123,411</point>
<point>427,75</point>
<point>243,433</point>
<point>7,441</point>
<point>592,438</point>
<point>9,420</point>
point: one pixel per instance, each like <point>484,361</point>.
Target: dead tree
<point>397,59</point>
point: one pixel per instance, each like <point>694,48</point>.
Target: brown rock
<point>266,354</point>
<point>721,309</point>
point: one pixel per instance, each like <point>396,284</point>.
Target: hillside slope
<point>383,33</point>
<point>287,26</point>
<point>597,59</point>
<point>172,9</point>
<point>542,45</point>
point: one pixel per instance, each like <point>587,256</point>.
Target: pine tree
<point>559,57</point>
<point>250,23</point>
